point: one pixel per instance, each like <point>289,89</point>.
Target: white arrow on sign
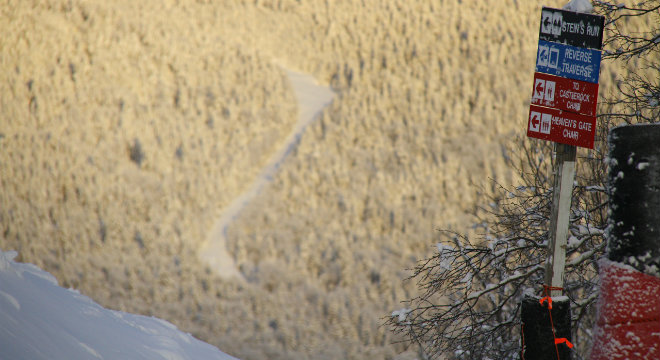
<point>535,121</point>
<point>546,22</point>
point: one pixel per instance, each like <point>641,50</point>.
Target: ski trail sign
<point>565,94</point>
<point>561,126</point>
<point>568,61</point>
<point>565,90</point>
<point>571,28</point>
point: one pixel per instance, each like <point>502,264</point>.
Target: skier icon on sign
<point>557,20</point>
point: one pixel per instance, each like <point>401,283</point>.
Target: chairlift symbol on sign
<point>553,58</point>
<point>546,121</point>
<point>549,91</point>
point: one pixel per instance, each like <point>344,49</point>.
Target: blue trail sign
<point>568,61</point>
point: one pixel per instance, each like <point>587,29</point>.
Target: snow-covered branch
<point>472,287</point>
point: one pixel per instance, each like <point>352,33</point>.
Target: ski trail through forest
<point>312,98</point>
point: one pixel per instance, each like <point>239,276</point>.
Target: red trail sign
<point>565,94</point>
<point>561,126</point>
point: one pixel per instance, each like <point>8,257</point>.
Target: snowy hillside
<point>41,320</point>
<point>142,143</point>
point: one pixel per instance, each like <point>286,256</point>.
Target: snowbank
<point>41,320</point>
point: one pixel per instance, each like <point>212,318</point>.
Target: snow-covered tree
<point>472,288</point>
<point>639,97</point>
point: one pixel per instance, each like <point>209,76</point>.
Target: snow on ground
<point>579,6</point>
<point>312,98</point>
<point>41,320</point>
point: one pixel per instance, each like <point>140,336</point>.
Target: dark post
<point>538,339</point>
<point>629,301</point>
<point>634,185</point>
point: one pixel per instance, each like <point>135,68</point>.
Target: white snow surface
<point>583,6</point>
<point>41,320</point>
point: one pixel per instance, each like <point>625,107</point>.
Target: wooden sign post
<point>560,216</point>
<point>563,110</point>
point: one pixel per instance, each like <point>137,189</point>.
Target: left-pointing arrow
<point>539,90</point>
<point>536,121</point>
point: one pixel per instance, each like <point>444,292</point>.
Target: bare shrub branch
<point>472,288</point>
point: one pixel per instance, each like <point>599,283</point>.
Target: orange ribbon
<point>563,340</point>
<point>549,299</point>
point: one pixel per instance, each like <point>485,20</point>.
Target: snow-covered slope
<point>312,98</point>
<point>41,320</point>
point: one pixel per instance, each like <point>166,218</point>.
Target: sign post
<point>563,110</point>
<point>559,221</point>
